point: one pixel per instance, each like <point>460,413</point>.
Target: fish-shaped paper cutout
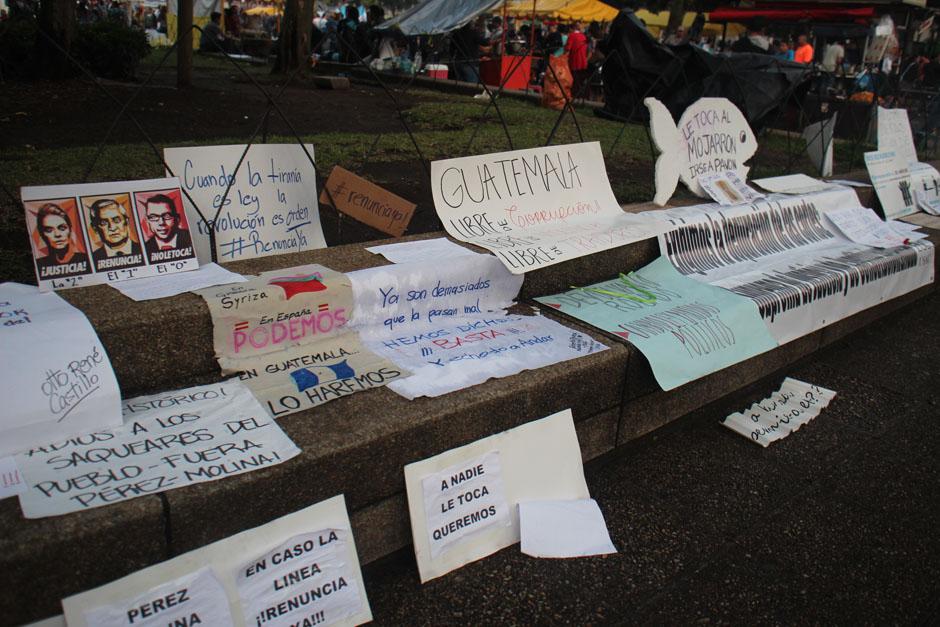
<point>712,136</point>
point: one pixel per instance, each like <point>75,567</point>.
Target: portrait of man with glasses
<point>169,238</point>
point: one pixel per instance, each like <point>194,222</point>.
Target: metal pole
<point>184,52</point>
<point>532,27</point>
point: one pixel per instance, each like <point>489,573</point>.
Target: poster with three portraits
<point>105,232</point>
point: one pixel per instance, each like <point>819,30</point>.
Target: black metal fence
<point>795,110</point>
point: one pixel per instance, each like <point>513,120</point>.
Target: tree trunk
<point>184,50</point>
<point>289,52</point>
<point>57,20</point>
<point>676,14</point>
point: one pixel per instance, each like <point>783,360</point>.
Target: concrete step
<point>357,445</point>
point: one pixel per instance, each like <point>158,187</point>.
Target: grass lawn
<point>444,125</point>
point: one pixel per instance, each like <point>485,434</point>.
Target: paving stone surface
<point>834,524</point>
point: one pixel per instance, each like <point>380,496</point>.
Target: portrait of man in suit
<point>170,240</point>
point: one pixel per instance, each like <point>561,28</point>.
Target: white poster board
<point>167,441</point>
<point>727,189</point>
<point>320,546</point>
<point>801,275</point>
<point>894,133</point>
<point>534,208</point>
<point>56,380</point>
<point>446,324</point>
<point>818,138</point>
<point>538,461</point>
<point>925,180</point>
<point>792,184</point>
<point>785,411</point>
<point>890,175</point>
<point>95,233</point>
<point>271,208</point>
<point>712,136</point>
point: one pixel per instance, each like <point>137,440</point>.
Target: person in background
<point>346,32</point>
<point>469,42</point>
<point>368,37</point>
<point>758,37</point>
<point>853,54</point>
<point>698,25</point>
<point>160,19</point>
<point>754,41</point>
<point>932,73</point>
<point>495,34</point>
<point>563,31</point>
<point>833,57</point>
<point>676,38</point>
<point>212,39</point>
<point>116,12</point>
<point>233,27</point>
<point>831,63</point>
<point>554,44</point>
<point>783,51</point>
<point>577,49</point>
<point>804,51</point>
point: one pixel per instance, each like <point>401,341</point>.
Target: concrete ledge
<point>359,445</point>
<point>44,560</point>
<point>356,445</point>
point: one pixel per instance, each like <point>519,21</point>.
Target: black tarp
<point>638,66</point>
<point>436,17</point>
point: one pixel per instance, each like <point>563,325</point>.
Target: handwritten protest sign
<point>712,136</point>
<point>863,226</point>
<point>286,333</point>
<point>891,176</point>
<point>788,409</point>
<point>686,329</point>
<point>540,460</point>
<point>534,208</point>
<point>11,480</point>
<point>194,599</point>
<point>453,356</point>
<point>446,324</point>
<point>55,377</point>
<point>270,209</point>
<point>780,254</point>
<point>394,299</point>
<point>167,441</point>
<point>301,569</point>
<point>106,232</point>
<point>894,134</point>
<point>306,376</point>
<point>367,202</point>
<point>277,309</point>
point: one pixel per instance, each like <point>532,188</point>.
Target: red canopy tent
<point>798,13</point>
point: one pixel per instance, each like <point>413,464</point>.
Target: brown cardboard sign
<point>367,202</point>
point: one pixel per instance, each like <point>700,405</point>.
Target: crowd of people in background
<point>489,37</point>
<point>349,33</point>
